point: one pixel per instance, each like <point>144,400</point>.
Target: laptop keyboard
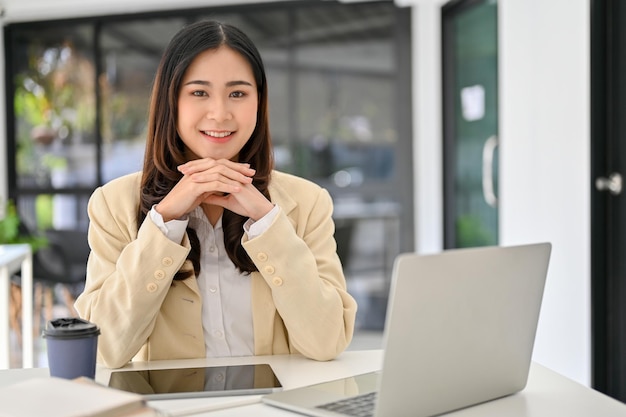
<point>358,406</point>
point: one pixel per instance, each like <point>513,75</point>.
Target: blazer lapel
<point>282,197</point>
<point>191,282</point>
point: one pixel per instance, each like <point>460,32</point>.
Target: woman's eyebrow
<point>200,82</point>
<point>228,84</point>
<point>238,82</point>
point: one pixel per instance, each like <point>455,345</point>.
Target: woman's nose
<point>219,110</point>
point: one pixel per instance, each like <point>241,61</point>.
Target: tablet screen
<point>197,382</point>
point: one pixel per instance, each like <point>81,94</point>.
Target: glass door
<point>470,122</point>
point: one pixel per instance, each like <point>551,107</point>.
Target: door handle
<point>612,184</point>
<point>488,150</point>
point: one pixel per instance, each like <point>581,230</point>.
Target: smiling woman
<point>334,70</point>
<point>206,267</point>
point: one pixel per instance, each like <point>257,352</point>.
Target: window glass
<point>346,130</point>
<point>130,54</point>
<point>345,102</point>
<point>55,107</point>
<point>280,114</point>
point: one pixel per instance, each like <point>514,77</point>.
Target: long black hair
<point>165,149</point>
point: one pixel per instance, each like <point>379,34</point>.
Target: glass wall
<point>78,99</point>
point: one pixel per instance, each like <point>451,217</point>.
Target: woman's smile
<point>218,136</point>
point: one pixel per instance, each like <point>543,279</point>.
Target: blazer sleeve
<point>297,257</point>
<point>129,273</point>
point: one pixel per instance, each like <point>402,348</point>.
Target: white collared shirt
<point>226,292</point>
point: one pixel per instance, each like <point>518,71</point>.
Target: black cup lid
<point>69,328</point>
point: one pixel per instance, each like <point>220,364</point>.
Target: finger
<point>249,202</point>
<point>205,164</point>
<point>220,186</point>
<point>217,200</point>
<point>204,171</point>
<point>197,165</point>
<point>220,173</point>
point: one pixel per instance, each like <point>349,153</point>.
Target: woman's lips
<point>217,136</point>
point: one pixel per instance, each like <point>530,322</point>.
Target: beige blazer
<point>299,298</point>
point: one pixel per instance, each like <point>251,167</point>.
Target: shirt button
<point>278,281</point>
<point>269,269</point>
<point>167,261</point>
<point>152,287</point>
<point>212,290</point>
<point>211,248</point>
<point>159,274</point>
<point>219,377</point>
<point>262,256</point>
<point>218,333</point>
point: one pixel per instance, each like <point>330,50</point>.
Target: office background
<point>543,133</point>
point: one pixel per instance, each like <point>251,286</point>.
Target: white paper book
<point>56,397</point>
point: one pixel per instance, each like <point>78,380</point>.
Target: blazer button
<point>278,281</point>
<point>159,274</point>
<point>269,269</point>
<point>152,287</point>
<point>167,261</point>
<point>262,256</point>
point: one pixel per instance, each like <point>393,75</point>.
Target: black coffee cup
<point>72,345</point>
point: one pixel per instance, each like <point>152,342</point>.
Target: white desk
<point>12,259</point>
<point>548,394</point>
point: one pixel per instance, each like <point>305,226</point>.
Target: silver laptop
<point>459,330</point>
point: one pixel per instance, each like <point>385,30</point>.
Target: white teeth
<point>217,134</point>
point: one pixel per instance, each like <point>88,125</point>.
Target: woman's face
<point>217,105</point>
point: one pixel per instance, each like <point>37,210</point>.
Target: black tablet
<point>205,381</point>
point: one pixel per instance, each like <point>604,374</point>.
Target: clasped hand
<point>215,182</point>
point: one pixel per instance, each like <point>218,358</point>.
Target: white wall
<point>544,144</point>
<point>427,119</point>
<point>545,163</point>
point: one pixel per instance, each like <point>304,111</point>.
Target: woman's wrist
<point>166,215</point>
<point>262,212</point>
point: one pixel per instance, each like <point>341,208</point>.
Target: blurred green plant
<point>54,101</point>
<point>471,232</point>
<point>11,233</point>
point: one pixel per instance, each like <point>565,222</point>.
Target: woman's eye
<point>198,93</point>
<point>237,94</point>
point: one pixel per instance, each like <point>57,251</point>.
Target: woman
<point>209,251</point>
